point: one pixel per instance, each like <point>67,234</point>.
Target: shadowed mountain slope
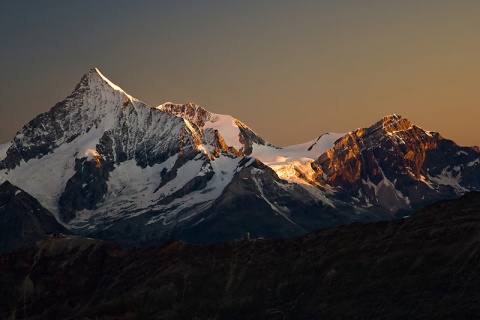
<point>23,220</point>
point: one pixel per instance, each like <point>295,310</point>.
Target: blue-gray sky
<point>291,70</point>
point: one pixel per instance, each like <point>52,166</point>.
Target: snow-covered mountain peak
<point>95,107</point>
<point>96,98</point>
<point>95,79</point>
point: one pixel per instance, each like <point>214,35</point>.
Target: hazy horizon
<point>290,71</point>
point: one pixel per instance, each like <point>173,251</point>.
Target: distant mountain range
<point>106,165</point>
<point>424,267</point>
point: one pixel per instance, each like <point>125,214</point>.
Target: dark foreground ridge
<point>424,267</point>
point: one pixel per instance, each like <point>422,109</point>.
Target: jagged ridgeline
<point>107,165</point>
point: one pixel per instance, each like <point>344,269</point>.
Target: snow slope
<point>304,152</point>
<point>3,150</point>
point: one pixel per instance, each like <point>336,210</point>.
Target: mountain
<point>423,267</point>
<point>398,166</point>
<point>23,220</point>
<point>109,166</point>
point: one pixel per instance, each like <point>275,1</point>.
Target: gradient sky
<point>291,70</point>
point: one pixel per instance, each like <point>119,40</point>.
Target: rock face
<point>191,112</point>
<point>109,166</point>
<point>397,166</point>
<point>23,220</point>
<point>205,119</point>
<point>424,267</point>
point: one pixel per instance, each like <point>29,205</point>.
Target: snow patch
<point>473,163</point>
<point>3,150</point>
<point>227,127</point>
<point>386,194</point>
<point>450,177</point>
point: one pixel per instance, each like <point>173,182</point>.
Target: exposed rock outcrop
<point>397,166</point>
